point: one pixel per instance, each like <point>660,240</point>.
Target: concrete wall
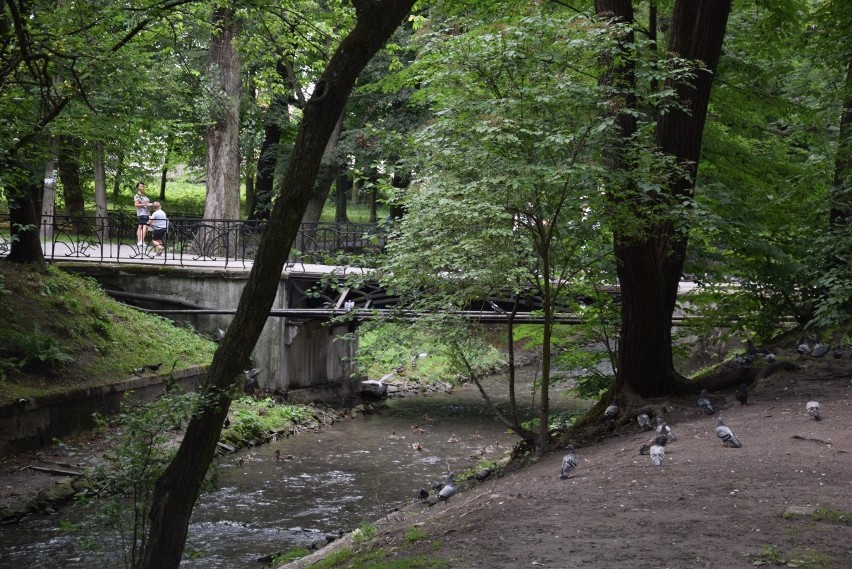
<point>35,423</point>
<point>290,356</point>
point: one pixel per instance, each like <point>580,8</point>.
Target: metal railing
<point>191,241</point>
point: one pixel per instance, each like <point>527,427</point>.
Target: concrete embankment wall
<point>31,424</point>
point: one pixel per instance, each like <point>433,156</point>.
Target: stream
<point>326,483</point>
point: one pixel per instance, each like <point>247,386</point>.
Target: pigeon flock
<point>663,435</point>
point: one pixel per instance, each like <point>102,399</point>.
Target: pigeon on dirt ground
<point>813,409</point>
<point>644,421</point>
<point>658,453</point>
<point>704,402</point>
<point>611,412</point>
<point>820,349</point>
<point>664,429</point>
<point>569,462</point>
<point>802,347</point>
<point>656,440</point>
<point>727,436</point>
<point>449,488</point>
<point>742,394</point>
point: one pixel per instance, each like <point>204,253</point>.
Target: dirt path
<point>708,506</point>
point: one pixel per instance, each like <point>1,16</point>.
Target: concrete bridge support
<point>309,357</point>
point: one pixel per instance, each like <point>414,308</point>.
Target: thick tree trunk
<point>223,137</point>
<point>178,487</point>
<point>649,267</point>
<point>22,195</point>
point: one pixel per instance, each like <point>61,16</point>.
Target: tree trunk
<point>100,193</point>
<point>325,178</point>
<point>48,199</point>
<point>342,185</point>
<point>223,137</point>
<point>69,173</point>
<point>649,267</point>
<point>22,195</point>
<point>177,489</point>
<point>841,195</point>
<point>163,179</point>
<point>268,159</point>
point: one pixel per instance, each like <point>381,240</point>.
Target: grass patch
<point>772,555</point>
<point>415,534</point>
<point>255,420</point>
<point>377,559</point>
<point>823,514</point>
<point>290,555</point>
<point>60,331</point>
<point>364,533</point>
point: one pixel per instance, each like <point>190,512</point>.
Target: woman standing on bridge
<point>141,201</point>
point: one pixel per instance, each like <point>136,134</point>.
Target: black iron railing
<point>191,241</point>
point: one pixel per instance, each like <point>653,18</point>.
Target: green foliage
<point>143,440</point>
<point>31,351</point>
<point>386,346</point>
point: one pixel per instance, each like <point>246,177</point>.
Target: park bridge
<point>304,347</point>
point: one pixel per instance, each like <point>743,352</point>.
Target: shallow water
<point>343,476</point>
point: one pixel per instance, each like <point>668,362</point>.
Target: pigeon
<point>802,347</point>
<point>813,409</point>
<point>449,488</point>
<point>820,349</point>
<point>569,462</point>
<point>742,394</point>
<point>664,429</point>
<point>658,454</point>
<point>251,379</point>
<point>154,367</point>
<point>656,440</point>
<point>770,357</point>
<point>644,421</point>
<point>611,411</point>
<point>704,403</point>
<point>727,436</point>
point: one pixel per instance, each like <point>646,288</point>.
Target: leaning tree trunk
<point>177,489</point>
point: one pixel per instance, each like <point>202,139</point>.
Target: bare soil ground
<point>708,506</point>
